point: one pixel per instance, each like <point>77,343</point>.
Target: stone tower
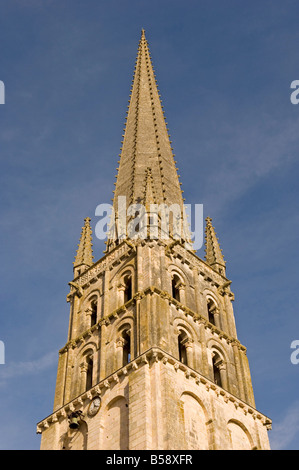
<point>152,359</point>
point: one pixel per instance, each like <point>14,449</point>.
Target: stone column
<point>135,336</point>
<point>216,312</point>
<point>188,343</point>
<point>139,271</point>
<point>196,290</point>
<point>121,294</point>
<point>223,375</point>
<point>182,290</point>
<point>83,376</point>
<point>119,352</point>
<point>61,377</point>
<point>106,292</point>
<point>230,316</point>
<point>103,332</point>
<point>239,374</point>
<point>74,317</point>
<point>163,269</point>
<point>247,378</point>
<point>69,387</point>
<point>204,365</point>
<point>87,323</point>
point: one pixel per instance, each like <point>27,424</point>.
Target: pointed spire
<point>214,255</point>
<point>84,257</point>
<point>146,165</point>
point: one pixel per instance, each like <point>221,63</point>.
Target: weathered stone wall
<point>154,318</point>
<point>155,403</point>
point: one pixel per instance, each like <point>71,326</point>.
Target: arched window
<point>182,339</point>
<point>128,288</point>
<point>89,372</point>
<point>94,312</point>
<point>217,362</point>
<point>175,287</point>
<point>126,347</point>
<point>211,311</point>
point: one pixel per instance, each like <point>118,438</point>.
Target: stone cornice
<point>149,357</point>
<point>110,259</point>
<point>126,248</point>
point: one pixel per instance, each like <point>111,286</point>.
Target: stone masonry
<point>152,358</point>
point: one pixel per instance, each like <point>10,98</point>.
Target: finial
<point>214,256</point>
<point>84,253</point>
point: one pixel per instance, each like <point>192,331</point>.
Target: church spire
<point>214,256</point>
<point>150,320</point>
<point>146,157</point>
<point>84,257</point>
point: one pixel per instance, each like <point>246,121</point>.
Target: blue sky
<point>224,71</point>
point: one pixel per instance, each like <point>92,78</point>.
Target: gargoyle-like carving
<point>78,291</point>
<point>224,289</point>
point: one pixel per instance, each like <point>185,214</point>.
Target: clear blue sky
<point>224,71</point>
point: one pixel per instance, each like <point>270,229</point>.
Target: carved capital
<point>121,287</point>
<point>83,367</point>
<point>120,342</point>
<point>88,311</point>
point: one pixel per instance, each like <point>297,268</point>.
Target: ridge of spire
<point>214,256</point>
<point>84,256</point>
<point>149,193</point>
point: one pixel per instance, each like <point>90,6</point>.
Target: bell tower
<point>152,358</point>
